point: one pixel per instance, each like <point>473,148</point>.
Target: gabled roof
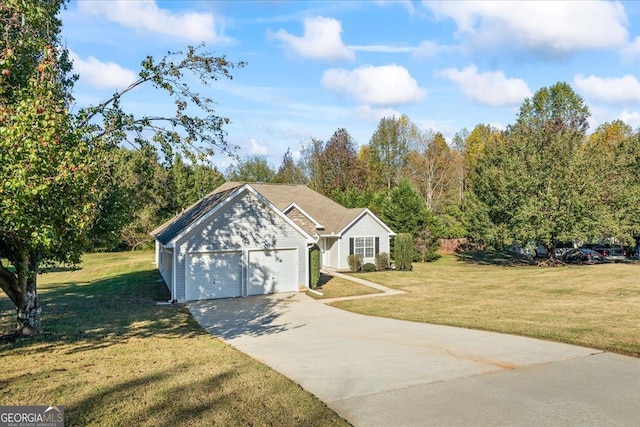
<point>334,217</point>
<point>167,231</point>
<point>177,227</point>
<point>302,211</point>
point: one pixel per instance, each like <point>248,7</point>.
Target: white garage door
<point>214,275</point>
<point>273,271</point>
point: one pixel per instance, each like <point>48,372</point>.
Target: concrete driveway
<point>383,372</point>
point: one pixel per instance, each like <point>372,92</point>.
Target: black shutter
<point>351,246</point>
<point>377,246</point>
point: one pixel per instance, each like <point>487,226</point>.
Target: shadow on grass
<point>323,280</point>
<point>163,411</point>
<point>101,313</point>
<point>504,259</point>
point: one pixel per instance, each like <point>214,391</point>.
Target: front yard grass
<point>595,306</point>
<point>335,287</point>
<point>113,357</point>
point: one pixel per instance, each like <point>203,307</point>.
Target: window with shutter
<point>365,246</point>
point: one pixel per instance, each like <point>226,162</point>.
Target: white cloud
<point>491,88</point>
<point>632,118</point>
<point>621,90</point>
<point>631,50</point>
<point>429,49</point>
<point>374,115</point>
<point>146,16</point>
<point>256,148</point>
<point>498,125</point>
<point>103,75</point>
<point>383,49</point>
<point>321,40</point>
<point>384,85</point>
<point>559,27</point>
<point>407,4</point>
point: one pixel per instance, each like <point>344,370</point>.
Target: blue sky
<point>314,67</point>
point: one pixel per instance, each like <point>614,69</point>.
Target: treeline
<point>543,179</point>
<point>143,192</point>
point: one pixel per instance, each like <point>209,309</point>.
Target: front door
<point>324,258</point>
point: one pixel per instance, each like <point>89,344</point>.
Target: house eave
<point>357,218</point>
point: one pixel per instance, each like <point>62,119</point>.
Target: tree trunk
<point>28,302</point>
<point>29,315</point>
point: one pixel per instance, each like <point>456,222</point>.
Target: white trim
<point>174,260</point>
<point>232,196</point>
<point>244,274</point>
<point>364,247</point>
<point>309,217</point>
<point>356,219</point>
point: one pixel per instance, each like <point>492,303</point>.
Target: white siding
<point>333,248</point>
<point>365,226</point>
<point>243,224</point>
<point>165,263</point>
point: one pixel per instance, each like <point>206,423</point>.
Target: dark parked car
<point>582,256</point>
<point>562,249</point>
<point>611,253</point>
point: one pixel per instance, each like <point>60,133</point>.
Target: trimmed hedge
<point>403,251</point>
<point>314,260</point>
<point>368,267</point>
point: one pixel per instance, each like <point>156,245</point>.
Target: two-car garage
<point>232,243</point>
<point>228,274</point>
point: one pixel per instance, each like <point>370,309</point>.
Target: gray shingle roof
<point>331,215</point>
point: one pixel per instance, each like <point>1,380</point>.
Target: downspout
<point>308,261</point>
<point>339,242</point>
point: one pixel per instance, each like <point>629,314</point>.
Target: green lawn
<point>334,287</point>
<point>593,305</point>
<point>113,357</point>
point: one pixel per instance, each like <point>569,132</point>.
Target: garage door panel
<point>273,271</point>
<point>214,275</point>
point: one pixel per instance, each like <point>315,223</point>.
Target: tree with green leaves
<point>474,145</point>
<point>404,210</point>
<point>340,166</point>
<point>403,251</point>
<point>616,149</point>
<point>253,168</point>
<point>148,195</point>
<point>136,197</point>
<point>191,182</point>
<point>367,198</point>
<point>49,172</point>
<point>310,163</point>
<point>52,174</point>
<point>388,149</point>
<point>430,169</point>
<point>538,184</point>
<point>289,172</point>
